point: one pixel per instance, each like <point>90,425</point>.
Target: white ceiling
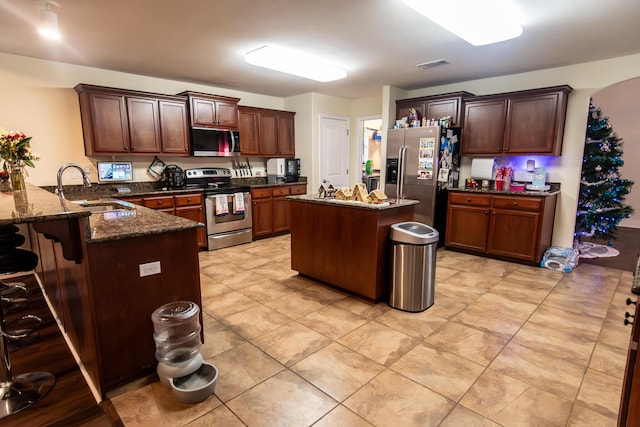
<point>379,42</point>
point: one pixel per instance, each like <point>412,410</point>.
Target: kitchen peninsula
<point>345,243</point>
<point>105,272</point>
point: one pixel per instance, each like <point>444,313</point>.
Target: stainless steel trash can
<point>413,250</point>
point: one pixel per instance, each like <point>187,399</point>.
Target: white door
<point>334,151</point>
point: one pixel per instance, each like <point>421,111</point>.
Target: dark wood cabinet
<point>435,107</point>
<point>212,111</point>
<point>265,132</point>
<point>629,412</point>
<point>516,123</point>
<point>512,227</point>
<point>270,208</point>
<point>124,122</point>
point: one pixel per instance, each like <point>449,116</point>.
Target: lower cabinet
<point>629,411</point>
<point>511,227</point>
<point>270,208</point>
<point>187,205</point>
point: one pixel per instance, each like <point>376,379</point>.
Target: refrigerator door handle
<point>402,157</point>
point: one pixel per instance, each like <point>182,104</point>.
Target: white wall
<point>621,103</point>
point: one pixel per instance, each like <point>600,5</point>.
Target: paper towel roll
<point>482,168</point>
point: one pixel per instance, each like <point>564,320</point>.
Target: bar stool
<point>20,391</point>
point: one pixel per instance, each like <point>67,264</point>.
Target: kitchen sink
<point>106,206</point>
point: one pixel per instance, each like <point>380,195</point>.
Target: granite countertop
<point>554,189</point>
<point>352,203</point>
<point>38,205</point>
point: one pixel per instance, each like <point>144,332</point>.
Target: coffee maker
<point>283,170</point>
<point>173,176</point>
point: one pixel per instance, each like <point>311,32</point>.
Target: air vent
<point>437,62</point>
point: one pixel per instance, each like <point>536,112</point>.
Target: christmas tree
<point>602,190</point>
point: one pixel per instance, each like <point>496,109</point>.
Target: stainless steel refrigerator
<point>421,164</point>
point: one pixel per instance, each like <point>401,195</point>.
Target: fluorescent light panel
<point>49,23</point>
<point>478,22</point>
<point>295,63</point>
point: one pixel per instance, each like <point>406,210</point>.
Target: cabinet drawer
<point>280,191</point>
<point>470,199</point>
<point>161,202</point>
<point>189,199</point>
<point>260,193</point>
<point>533,204</point>
<point>298,189</point>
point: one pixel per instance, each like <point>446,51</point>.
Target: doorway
<point>334,151</point>
<point>369,150</point>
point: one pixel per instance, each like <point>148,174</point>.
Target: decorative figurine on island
<point>357,194</point>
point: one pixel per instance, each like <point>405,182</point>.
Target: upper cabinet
<point>123,122</point>
<point>435,107</point>
<point>212,111</point>
<point>265,132</point>
<point>516,123</point>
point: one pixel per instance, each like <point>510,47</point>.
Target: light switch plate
<point>150,268</point>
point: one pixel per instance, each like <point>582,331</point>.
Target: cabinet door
<point>227,114</point>
<point>531,124</point>
<point>109,124</point>
<point>203,112</point>
<point>467,228</point>
<point>174,127</point>
<point>248,122</point>
<point>514,234</point>
<point>160,202</point>
<point>286,134</point>
<point>444,108</point>
<point>194,213</point>
<point>144,125</point>
<point>280,214</point>
<point>483,132</point>
<point>403,108</point>
<point>295,190</point>
<point>262,217</point>
<point>268,133</point>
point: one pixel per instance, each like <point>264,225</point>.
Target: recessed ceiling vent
<point>437,62</point>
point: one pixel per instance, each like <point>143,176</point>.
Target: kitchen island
<point>105,272</point>
<point>345,243</point>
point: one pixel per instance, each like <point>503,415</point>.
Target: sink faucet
<point>85,176</point>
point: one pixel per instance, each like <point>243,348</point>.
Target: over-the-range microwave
<point>214,142</point>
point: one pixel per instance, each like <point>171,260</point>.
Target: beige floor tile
<point>390,399</point>
<point>363,308</point>
<point>418,325</point>
<point>332,321</point>
<point>593,305</point>
<point>443,272</point>
<point>445,306</point>
<point>379,343</point>
<point>535,407</point>
<point>283,400</point>
<point>584,417</point>
<point>291,343</point>
<point>220,416</point>
<point>497,323</point>
<point>256,321</point>
<point>239,278</point>
<point>609,360</point>
<point>323,294</point>
<point>455,289</point>
<point>463,417</point>
<point>218,338</point>
<point>583,325</point>
<point>472,279</point>
<point>614,332</point>
<point>296,305</point>
<point>527,274</point>
<point>337,370</point>
<point>266,290</point>
<point>341,417</point>
<point>549,373</point>
<point>560,344</point>
<point>493,393</point>
<point>445,373</point>
<point>228,304</point>
<point>600,393</point>
<point>495,302</point>
<point>138,407</point>
<point>465,341</point>
<point>242,368</point>
<point>529,292</point>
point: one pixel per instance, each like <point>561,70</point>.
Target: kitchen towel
<point>222,206</point>
<point>238,203</point>
<point>482,168</point>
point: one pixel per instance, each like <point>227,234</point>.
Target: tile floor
<point>504,344</point>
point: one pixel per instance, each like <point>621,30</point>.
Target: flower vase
<point>16,176</point>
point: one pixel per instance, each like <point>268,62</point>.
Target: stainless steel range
<point>227,206</point>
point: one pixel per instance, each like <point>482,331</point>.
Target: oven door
<point>222,223</point>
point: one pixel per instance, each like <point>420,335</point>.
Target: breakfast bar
<point>345,243</point>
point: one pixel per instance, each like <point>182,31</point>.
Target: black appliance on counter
<point>173,176</point>
<point>223,229</point>
<point>292,170</point>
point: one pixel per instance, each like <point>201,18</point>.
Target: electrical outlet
<point>150,268</point>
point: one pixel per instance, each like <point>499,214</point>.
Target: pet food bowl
<point>196,387</point>
<point>167,372</point>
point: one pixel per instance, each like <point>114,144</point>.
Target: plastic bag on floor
<point>560,259</point>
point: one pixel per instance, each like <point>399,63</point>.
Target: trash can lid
<point>414,233</point>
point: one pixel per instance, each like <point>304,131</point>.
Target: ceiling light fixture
<point>431,64</point>
<point>478,22</point>
<point>49,21</point>
<point>295,63</point>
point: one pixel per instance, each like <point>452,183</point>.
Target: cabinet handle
<point>627,322</point>
<point>515,203</point>
<point>188,199</point>
<point>486,212</point>
<point>469,199</point>
<point>499,149</point>
<point>506,149</point>
<point>159,202</point>
<point>627,315</point>
<point>630,301</point>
